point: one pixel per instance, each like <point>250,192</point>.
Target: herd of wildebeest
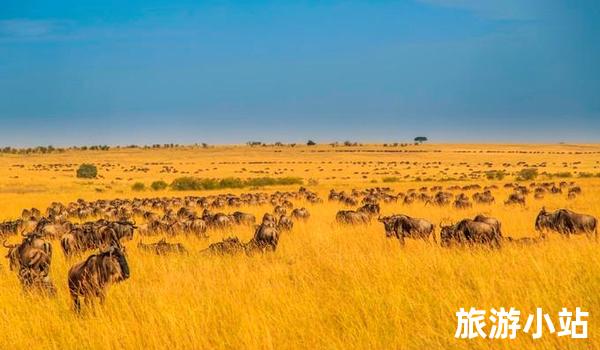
<point>104,225</point>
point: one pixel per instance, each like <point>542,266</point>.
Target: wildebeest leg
<point>401,240</point>
<point>76,302</point>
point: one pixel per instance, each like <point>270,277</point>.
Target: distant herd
<point>115,222</point>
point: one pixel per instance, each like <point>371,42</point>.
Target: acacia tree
<point>420,139</point>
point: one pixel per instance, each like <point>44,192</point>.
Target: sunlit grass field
<point>327,286</point>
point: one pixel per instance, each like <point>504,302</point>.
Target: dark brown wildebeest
<point>515,198</point>
<point>285,223</point>
<point>404,226</point>
<point>71,244</point>
<point>123,229</point>
<point>440,199</point>
<point>241,218</point>
<point>266,237</point>
<point>485,197</point>
<point>162,247</point>
<point>279,210</point>
<point>491,221</point>
<point>195,225</point>
<point>9,228</point>
<point>370,209</point>
<point>566,222</point>
<point>470,232</point>
<point>228,246</point>
<point>92,277</point>
<point>218,220</point>
<point>352,217</point>
<point>33,252</point>
<point>300,213</point>
<point>462,203</point>
<point>31,259</point>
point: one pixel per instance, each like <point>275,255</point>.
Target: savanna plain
<point>327,285</point>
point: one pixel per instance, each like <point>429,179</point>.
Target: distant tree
<point>527,174</point>
<point>138,186</point>
<point>420,139</point>
<point>87,171</point>
<point>158,185</point>
<point>311,143</point>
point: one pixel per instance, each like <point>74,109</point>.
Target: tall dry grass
<point>327,286</point>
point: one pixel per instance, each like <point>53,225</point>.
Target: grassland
<point>327,286</point>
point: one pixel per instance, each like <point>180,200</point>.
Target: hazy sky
<point>157,71</point>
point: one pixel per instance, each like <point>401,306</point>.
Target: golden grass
<point>327,286</point>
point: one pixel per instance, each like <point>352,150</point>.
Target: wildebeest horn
<point>8,246</point>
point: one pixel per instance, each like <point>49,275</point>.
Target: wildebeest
<point>92,277</point>
<point>300,213</point>
<point>162,247</point>
<point>404,226</point>
<point>515,198</point>
<point>32,259</point>
<point>566,222</point>
<point>370,209</point>
<point>33,252</point>
<point>470,232</point>
<point>8,228</point>
<point>285,223</point>
<point>228,246</point>
<point>491,221</point>
<point>241,218</point>
<point>218,220</point>
<point>266,236</point>
<point>485,197</point>
<point>98,234</point>
<point>352,217</point>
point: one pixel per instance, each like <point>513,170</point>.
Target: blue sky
<point>156,71</point>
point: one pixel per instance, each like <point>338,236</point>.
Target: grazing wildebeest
<point>33,252</point>
<point>228,246</point>
<point>31,259</point>
<point>266,237</point>
<point>92,277</point>
<point>515,198</point>
<point>462,203</point>
<point>404,226</point>
<point>491,221</point>
<point>162,247</point>
<point>70,244</point>
<point>352,217</point>
<point>123,229</point>
<point>484,198</point>
<point>470,232</point>
<point>8,228</point>
<point>285,223</point>
<point>241,218</point>
<point>218,220</point>
<point>566,222</point>
<point>279,210</point>
<point>300,213</point>
<point>370,209</point>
